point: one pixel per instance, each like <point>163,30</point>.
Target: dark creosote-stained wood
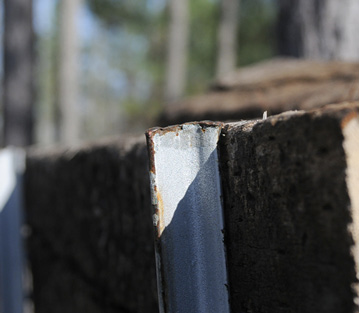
<point>290,186</point>
<point>91,244</point>
<point>290,193</point>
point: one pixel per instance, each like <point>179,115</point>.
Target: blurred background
<point>76,70</point>
<point>108,60</point>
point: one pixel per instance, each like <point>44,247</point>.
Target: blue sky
<point>44,15</point>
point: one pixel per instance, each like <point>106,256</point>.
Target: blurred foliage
<point>203,40</point>
<point>137,19</point>
<point>257,38</point>
<point>123,60</point>
<point>47,49</point>
<point>120,12</point>
<point>137,36</point>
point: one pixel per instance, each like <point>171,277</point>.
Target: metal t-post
<point>188,218</point>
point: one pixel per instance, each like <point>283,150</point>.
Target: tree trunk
<point>177,50</point>
<point>319,29</point>
<point>227,37</point>
<point>68,72</point>
<point>18,73</point>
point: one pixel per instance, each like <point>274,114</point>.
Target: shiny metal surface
<point>188,218</point>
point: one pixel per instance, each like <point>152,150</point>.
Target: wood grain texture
<point>91,244</point>
<point>287,212</point>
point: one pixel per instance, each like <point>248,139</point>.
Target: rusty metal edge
<point>152,173</point>
<point>162,295</point>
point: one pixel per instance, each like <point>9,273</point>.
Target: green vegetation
<point>123,61</point>
<point>257,38</point>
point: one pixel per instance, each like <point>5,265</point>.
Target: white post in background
<point>177,51</point>
<point>69,72</point>
<point>227,37</point>
<point>11,244</point>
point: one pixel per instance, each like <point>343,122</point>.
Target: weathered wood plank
<point>275,86</point>
<point>91,244</point>
<point>289,217</point>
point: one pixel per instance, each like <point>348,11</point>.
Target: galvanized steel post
<point>188,218</point>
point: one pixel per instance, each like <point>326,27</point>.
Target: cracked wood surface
<point>287,213</point>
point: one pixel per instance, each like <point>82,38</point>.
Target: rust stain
<point>151,150</point>
<point>177,128</point>
<point>164,130</point>
<point>348,118</point>
<point>159,212</point>
<point>159,208</point>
